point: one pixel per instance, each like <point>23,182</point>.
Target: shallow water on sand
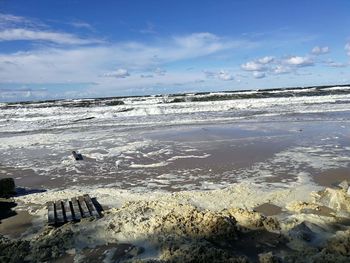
<point>193,157</point>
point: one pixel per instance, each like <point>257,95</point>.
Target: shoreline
<point>248,191</point>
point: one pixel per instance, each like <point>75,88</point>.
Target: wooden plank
<point>51,213</point>
<point>76,208</point>
<point>91,206</point>
<point>59,212</point>
<point>68,210</point>
<point>83,206</point>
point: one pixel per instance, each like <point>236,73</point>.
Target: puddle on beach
<point>13,222</point>
<point>268,209</point>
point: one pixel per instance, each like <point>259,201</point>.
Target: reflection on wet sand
<point>195,158</point>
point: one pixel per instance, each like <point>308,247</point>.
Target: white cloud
<point>253,66</point>
<point>280,69</point>
<point>299,61</point>
<point>23,93</point>
<point>206,43</point>
<point>33,35</point>
<point>82,24</point>
<point>320,50</point>
<point>10,18</point>
<point>266,60</point>
<point>197,39</point>
<point>347,48</point>
<point>13,28</point>
<point>334,64</point>
<point>221,75</point>
<point>259,75</point>
<point>269,64</point>
<point>224,75</point>
<point>258,66</point>
<point>10,21</point>
<point>337,65</point>
<point>90,65</point>
<point>119,73</point>
<point>135,84</point>
<point>58,64</point>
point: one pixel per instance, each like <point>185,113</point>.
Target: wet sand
<point>268,157</point>
<point>16,225</point>
<point>333,177</point>
<point>194,158</point>
<point>30,179</point>
<point>13,222</point>
<point>268,209</point>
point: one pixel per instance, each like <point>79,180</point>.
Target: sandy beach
<point>215,188</point>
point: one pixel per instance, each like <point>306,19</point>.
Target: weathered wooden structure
<point>64,211</point>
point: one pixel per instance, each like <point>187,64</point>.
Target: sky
<point>86,48</point>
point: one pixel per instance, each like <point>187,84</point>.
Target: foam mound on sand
<point>172,228</point>
<point>336,199</point>
<point>160,219</point>
<point>173,232</point>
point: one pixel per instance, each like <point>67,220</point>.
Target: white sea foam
<point>151,165</point>
<point>152,110</point>
<point>245,195</point>
<point>115,145</point>
<point>337,88</point>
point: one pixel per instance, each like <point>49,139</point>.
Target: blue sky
<point>69,49</point>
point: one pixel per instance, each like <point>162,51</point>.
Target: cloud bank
<point>55,56</point>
